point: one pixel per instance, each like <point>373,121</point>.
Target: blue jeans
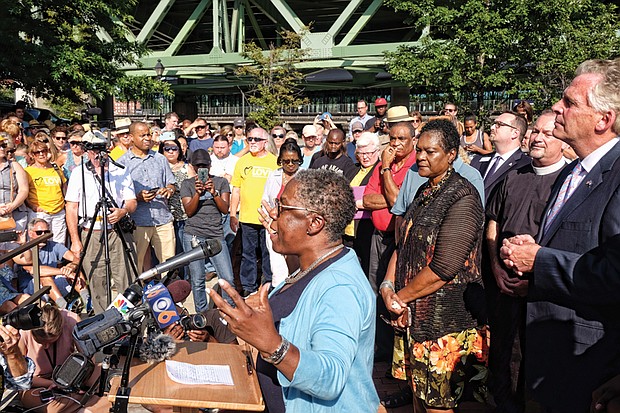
<point>223,267</point>
<point>229,235</point>
<point>253,236</point>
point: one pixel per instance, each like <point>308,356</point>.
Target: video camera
<point>25,318</point>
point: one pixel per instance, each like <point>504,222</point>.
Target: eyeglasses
<point>75,143</point>
<point>238,127</point>
<point>450,110</point>
<point>60,138</point>
<point>42,231</point>
<point>358,131</point>
<point>253,139</point>
<point>277,136</point>
<point>10,151</point>
<point>367,154</point>
<point>416,121</point>
<point>291,161</point>
<point>41,152</point>
<point>280,207</point>
<point>230,134</point>
<point>171,148</point>
<point>201,126</point>
<point>3,145</point>
<point>498,124</point>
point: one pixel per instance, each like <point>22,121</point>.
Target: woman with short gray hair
<point>320,322</point>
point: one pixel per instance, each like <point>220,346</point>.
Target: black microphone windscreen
<point>157,349</point>
<point>179,290</point>
<point>212,247</point>
<point>94,111</point>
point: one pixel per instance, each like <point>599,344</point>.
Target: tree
<point>142,89</point>
<point>276,78</point>
<point>528,49</point>
<point>66,49</point>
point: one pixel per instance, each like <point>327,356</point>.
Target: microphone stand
<point>121,401</point>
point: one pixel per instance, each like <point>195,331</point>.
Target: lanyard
<point>52,361</point>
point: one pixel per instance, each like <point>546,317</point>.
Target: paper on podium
<point>186,373</point>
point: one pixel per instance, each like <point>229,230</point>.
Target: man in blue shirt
<point>153,183</point>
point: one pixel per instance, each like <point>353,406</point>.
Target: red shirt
<point>383,219</point>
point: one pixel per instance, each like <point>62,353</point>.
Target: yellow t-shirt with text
<point>45,189</point>
<point>250,176</point>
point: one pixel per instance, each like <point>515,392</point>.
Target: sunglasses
<point>277,136</point>
<point>75,143</point>
<point>171,148</point>
<point>498,124</point>
<point>60,138</point>
<point>41,152</point>
<point>291,161</point>
<point>201,126</point>
<point>230,134</point>
<point>42,231</point>
<point>253,139</point>
<point>280,207</point>
<point>238,127</point>
<point>44,140</point>
<point>3,145</point>
<point>10,151</point>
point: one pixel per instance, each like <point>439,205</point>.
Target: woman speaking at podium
<point>315,330</point>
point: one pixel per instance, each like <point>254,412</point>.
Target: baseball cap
<point>380,102</point>
<point>309,130</point>
<point>200,157</point>
<point>238,122</point>
<point>325,115</point>
<point>357,126</point>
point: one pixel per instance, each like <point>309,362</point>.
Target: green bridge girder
<point>200,50</point>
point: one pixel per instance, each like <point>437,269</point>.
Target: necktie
<point>492,168</point>
<point>569,185</point>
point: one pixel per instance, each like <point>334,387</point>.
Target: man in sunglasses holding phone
<point>248,183</point>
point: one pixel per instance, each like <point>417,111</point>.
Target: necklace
<point>429,191</point>
<point>296,276</point>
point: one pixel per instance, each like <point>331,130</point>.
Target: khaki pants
<point>162,239</point>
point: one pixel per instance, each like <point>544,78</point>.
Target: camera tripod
<point>105,204</point>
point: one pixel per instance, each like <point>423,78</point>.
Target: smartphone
<point>154,190</point>
<point>203,174</point>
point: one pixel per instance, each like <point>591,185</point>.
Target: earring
<point>307,232</point>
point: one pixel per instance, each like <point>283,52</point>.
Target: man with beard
<point>334,156</point>
<point>529,185</point>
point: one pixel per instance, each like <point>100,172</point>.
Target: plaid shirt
<point>16,383</point>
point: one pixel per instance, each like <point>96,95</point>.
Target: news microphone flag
<point>162,306</point>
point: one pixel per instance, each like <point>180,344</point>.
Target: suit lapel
<point>554,194</point>
<point>591,181</point>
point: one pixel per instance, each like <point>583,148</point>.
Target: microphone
<point>129,299</point>
<point>162,306</point>
<point>209,248</point>
<point>93,111</point>
<point>179,290</point>
<point>157,349</point>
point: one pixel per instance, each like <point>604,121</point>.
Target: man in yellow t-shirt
<point>248,183</point>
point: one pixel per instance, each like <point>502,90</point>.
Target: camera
<point>193,322</point>
<point>25,318</point>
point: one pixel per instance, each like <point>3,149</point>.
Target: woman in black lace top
<point>433,286</point>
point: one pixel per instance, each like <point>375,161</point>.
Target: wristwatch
<point>387,168</point>
<point>216,193</point>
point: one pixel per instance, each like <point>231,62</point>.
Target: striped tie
<point>571,183</point>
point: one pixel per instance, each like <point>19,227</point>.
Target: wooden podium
<point>150,383</point>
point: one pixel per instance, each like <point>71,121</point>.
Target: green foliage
<point>276,78</point>
<point>528,49</point>
<point>65,108</point>
<point>66,49</point>
<point>143,89</point>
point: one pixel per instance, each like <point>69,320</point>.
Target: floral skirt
<point>451,368</point>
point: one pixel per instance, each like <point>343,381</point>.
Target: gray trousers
<point>94,266</point>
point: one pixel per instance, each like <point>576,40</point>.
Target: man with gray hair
<point>248,184</point>
<point>572,337</point>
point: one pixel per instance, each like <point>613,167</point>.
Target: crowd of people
<point>479,263</point>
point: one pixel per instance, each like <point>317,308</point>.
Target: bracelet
<point>385,169</point>
<point>277,356</point>
<point>387,284</point>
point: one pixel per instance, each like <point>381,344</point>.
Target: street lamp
<point>159,69</point>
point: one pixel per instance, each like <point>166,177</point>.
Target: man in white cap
<point>83,193</point>
<point>121,133</point>
<point>312,144</point>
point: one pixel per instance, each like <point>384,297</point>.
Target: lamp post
<point>159,71</point>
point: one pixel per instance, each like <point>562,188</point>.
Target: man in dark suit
<point>573,336</point>
<point>507,132</point>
